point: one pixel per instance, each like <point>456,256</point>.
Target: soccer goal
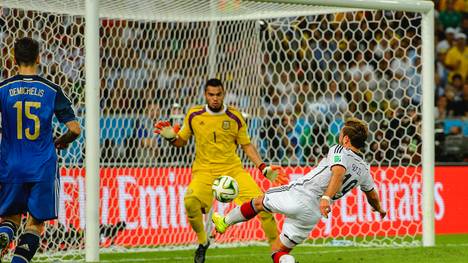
<point>295,68</point>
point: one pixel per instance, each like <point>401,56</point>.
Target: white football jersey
<point>315,182</point>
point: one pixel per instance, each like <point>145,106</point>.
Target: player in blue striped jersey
<point>29,179</point>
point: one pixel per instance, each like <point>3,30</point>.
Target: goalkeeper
<point>217,129</point>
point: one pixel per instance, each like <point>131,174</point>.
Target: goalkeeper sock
<point>197,225</point>
<point>195,218</point>
<point>202,238</point>
<point>241,213</point>
<point>28,243</point>
<point>9,228</point>
<point>269,226</point>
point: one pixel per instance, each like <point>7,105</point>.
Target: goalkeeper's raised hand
<point>166,130</point>
<point>273,173</point>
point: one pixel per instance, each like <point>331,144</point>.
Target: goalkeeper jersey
<point>217,135</point>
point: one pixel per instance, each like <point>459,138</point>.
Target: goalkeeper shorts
<point>200,186</point>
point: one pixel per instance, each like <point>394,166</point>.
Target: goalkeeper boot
<point>200,253</point>
<point>220,224</point>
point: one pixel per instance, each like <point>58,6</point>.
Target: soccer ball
<point>225,189</point>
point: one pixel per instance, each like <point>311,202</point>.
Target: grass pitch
<point>449,249</point>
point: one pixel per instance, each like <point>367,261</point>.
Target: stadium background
<point>139,85</point>
<point>296,119</point>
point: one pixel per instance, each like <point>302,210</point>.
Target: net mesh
<point>295,77</point>
<point>182,10</point>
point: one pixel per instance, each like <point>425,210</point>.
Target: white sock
<point>287,259</point>
<point>235,216</point>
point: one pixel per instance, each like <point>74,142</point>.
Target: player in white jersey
<point>305,200</point>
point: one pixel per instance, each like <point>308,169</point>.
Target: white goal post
<point>238,19</point>
<point>92,93</point>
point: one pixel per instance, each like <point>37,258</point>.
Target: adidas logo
<point>24,246</point>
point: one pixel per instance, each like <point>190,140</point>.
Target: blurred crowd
<point>315,71</point>
<point>451,79</point>
<point>368,65</point>
<point>364,64</point>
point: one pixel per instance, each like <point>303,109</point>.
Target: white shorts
<point>302,214</point>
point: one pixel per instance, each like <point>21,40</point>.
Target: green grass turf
<point>449,249</point>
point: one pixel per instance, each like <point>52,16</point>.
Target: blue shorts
<point>40,199</point>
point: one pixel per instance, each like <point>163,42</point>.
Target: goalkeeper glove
<point>274,174</point>
<point>165,129</point>
<point>270,172</point>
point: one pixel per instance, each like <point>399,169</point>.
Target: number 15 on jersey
<point>25,108</point>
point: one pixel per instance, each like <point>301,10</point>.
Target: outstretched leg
<point>242,213</point>
<point>249,190</point>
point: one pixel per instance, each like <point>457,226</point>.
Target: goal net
<point>295,71</point>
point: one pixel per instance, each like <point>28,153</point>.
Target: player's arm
<point>368,187</point>
<point>73,132</point>
<point>336,181</point>
<point>169,133</point>
<point>374,200</point>
<point>251,152</point>
<point>175,135</point>
<point>272,173</point>
<point>179,142</point>
<point>65,114</point>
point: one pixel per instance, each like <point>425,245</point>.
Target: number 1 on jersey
<point>19,119</point>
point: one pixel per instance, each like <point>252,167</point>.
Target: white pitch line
<point>263,254</point>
